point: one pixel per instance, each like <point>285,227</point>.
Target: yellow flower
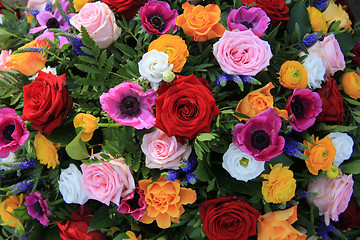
<point>7,208</point>
<point>317,20</point>
<point>336,13</point>
<point>293,75</point>
<point>164,200</point>
<point>46,151</point>
<point>87,121</point>
<point>78,4</point>
<point>175,47</point>
<point>132,236</point>
<point>333,172</point>
<point>350,82</point>
<point>321,155</point>
<point>280,186</point>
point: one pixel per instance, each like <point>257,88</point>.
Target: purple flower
<point>157,17</point>
<point>305,106</point>
<point>38,208</point>
<point>253,18</point>
<point>128,105</point>
<point>13,132</point>
<point>133,203</point>
<point>259,137</point>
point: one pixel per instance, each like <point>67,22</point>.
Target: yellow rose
<point>78,4</point>
<point>317,20</point>
<point>46,151</point>
<point>277,225</point>
<point>87,121</point>
<point>336,13</point>
<point>350,82</point>
<point>321,155</point>
<point>280,185</point>
<point>7,208</point>
<point>293,75</point>
<point>257,101</point>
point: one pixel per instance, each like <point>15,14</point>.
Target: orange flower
<point>7,209</point>
<point>293,75</point>
<point>257,101</point>
<point>132,236</point>
<point>87,121</point>
<point>321,155</point>
<point>336,12</point>
<point>28,63</point>
<point>277,225</point>
<point>317,20</point>
<point>202,23</point>
<point>350,82</point>
<point>164,200</point>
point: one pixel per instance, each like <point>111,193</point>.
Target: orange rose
<point>350,82</point>
<point>164,200</point>
<point>317,20</point>
<point>202,23</point>
<point>257,101</point>
<point>336,12</point>
<point>7,209</point>
<point>28,63</point>
<point>277,225</point>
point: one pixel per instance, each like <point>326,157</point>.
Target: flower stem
<point>56,202</point>
<point>108,125</point>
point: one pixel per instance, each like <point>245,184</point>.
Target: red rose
<point>185,107</point>
<point>332,102</point>
<point>126,7</point>
<point>277,10</point>
<point>228,218</point>
<point>356,52</point>
<point>46,102</point>
<point>350,218</point>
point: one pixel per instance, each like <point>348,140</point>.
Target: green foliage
<point>105,217</point>
<point>299,23</point>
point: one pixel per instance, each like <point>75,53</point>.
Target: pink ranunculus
<point>107,181</point>
<point>164,152</point>
<point>242,53</point>
<point>99,22</point>
<point>330,53</point>
<point>333,195</point>
<point>4,58</point>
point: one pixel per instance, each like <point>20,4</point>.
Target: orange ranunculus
<point>350,82</point>
<point>277,225</point>
<point>175,47</point>
<point>7,208</point>
<point>88,122</point>
<point>131,236</point>
<point>317,20</point>
<point>321,155</point>
<point>336,12</point>
<point>293,75</point>
<point>257,101</point>
<point>202,23</point>
<point>28,63</point>
<point>164,200</point>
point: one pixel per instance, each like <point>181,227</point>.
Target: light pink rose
<point>4,57</point>
<point>333,195</point>
<point>164,152</point>
<point>107,181</point>
<point>38,4</point>
<point>99,22</point>
<point>242,53</point>
<point>330,53</point>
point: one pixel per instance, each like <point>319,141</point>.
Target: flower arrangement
<point>124,119</point>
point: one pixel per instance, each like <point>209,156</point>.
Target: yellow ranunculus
<point>317,20</point>
<point>46,151</point>
<point>7,208</point>
<point>87,121</point>
<point>293,75</point>
<point>132,236</point>
<point>280,185</point>
<point>78,4</point>
<point>350,82</point>
<point>336,13</point>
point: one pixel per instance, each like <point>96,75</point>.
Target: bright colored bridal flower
<point>78,4</point>
<point>132,236</point>
<point>46,151</point>
<point>321,155</point>
<point>7,207</point>
<point>4,58</point>
<point>133,203</point>
<point>38,207</point>
<point>128,105</point>
<point>28,63</point>
<point>201,23</point>
<point>88,122</point>
<point>277,225</point>
<point>350,82</point>
<point>128,8</point>
<point>343,144</point>
<point>315,71</point>
<point>277,10</point>
<point>293,75</point>
<point>280,185</point>
<point>317,20</point>
<point>175,47</point>
<point>259,137</point>
<point>165,201</point>
<point>335,12</point>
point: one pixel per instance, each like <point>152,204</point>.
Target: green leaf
<point>87,68</point>
<point>76,149</point>
<point>241,115</point>
<point>205,137</point>
<point>299,16</point>
<point>21,213</point>
<point>128,51</point>
<point>352,101</point>
<point>105,217</point>
<point>352,167</point>
<point>211,185</point>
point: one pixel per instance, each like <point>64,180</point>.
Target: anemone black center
<point>38,208</point>
<point>260,139</point>
<point>157,22</point>
<point>52,23</point>
<point>134,203</point>
<point>247,24</point>
<point>297,108</point>
<point>130,106</point>
<point>7,131</point>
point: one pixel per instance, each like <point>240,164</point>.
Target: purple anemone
<point>305,106</point>
<point>37,207</point>
<point>259,137</point>
<point>253,18</point>
<point>157,17</point>
<point>128,105</point>
<point>133,203</point>
<point>13,133</point>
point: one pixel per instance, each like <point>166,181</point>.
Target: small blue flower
<point>189,165</point>
<point>171,175</point>
<point>191,178</point>
<point>22,186</point>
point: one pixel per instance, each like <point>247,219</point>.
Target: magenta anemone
<point>133,203</point>
<point>37,207</point>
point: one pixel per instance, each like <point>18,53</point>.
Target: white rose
<point>9,159</point>
<point>315,70</point>
<point>240,165</point>
<point>47,69</point>
<point>344,146</point>
<point>70,185</point>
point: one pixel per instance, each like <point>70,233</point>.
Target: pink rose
<point>333,195</point>
<point>330,53</point>
<point>164,152</point>
<point>107,181</point>
<point>4,57</point>
<point>242,53</point>
<point>99,22</point>
<point>38,4</point>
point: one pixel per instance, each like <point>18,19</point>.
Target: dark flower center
<point>130,106</point>
<point>247,24</point>
<point>297,108</point>
<point>52,23</point>
<point>157,22</point>
<point>134,203</point>
<point>7,131</point>
<point>260,139</point>
<point>38,208</point>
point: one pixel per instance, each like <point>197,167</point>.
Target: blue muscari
<point>48,6</point>
<point>33,12</point>
<point>294,148</point>
<point>23,186</point>
<point>323,230</point>
<point>238,79</point>
<point>189,165</point>
<point>322,5</point>
<point>308,41</point>
<point>31,49</point>
<point>191,178</point>
<point>76,43</point>
<point>26,164</point>
<point>171,175</point>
